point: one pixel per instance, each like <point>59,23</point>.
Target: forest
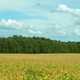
<point>20,44</point>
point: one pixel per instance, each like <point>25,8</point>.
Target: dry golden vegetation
<point>39,67</point>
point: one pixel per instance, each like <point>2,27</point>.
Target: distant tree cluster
<point>20,44</point>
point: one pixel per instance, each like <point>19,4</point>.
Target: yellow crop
<point>39,67</point>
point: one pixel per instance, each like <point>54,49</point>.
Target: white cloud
<point>61,33</point>
<point>22,26</point>
<point>66,8</point>
<point>34,31</point>
<point>63,7</point>
<point>11,23</point>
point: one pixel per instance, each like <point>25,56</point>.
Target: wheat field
<point>39,66</point>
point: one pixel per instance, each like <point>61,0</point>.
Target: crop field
<point>39,67</point>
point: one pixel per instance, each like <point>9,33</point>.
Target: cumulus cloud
<point>19,26</point>
<point>66,8</point>
<point>63,7</point>
<point>11,23</point>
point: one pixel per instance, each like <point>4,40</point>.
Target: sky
<point>54,19</point>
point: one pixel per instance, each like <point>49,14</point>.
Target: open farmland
<point>40,67</point>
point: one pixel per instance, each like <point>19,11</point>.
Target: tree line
<point>20,44</point>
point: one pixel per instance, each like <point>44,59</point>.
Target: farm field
<point>39,66</point>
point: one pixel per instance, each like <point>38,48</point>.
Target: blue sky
<point>55,19</point>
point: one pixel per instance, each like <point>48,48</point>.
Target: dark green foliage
<point>20,44</point>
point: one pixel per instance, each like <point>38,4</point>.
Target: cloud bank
<point>11,23</point>
<point>66,8</point>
